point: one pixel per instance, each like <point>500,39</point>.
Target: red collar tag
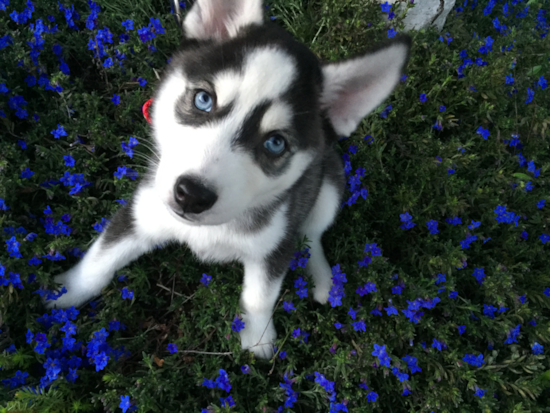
<point>145,110</point>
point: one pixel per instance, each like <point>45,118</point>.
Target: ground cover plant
<point>440,259</point>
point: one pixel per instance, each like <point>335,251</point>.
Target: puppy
<point>244,121</point>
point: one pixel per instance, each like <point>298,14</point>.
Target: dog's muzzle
<point>192,196</point>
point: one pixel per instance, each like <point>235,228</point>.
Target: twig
<point>168,289</point>
<point>229,353</point>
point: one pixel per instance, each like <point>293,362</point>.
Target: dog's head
<point>240,113</point>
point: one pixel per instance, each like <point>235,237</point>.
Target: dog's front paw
<point>321,291</point>
<point>79,289</point>
<point>254,339</point>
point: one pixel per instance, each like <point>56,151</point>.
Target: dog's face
<point>238,117</point>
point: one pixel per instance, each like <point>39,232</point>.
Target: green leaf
<point>522,176</point>
<point>534,70</point>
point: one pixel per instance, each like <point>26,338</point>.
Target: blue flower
<point>512,335</point>
<point>537,348</point>
<point>206,279</point>
<point>473,360</point>
<point>29,336</point>
<point>172,348</point>
<point>407,219</point>
<point>479,393</point>
<point>530,95</point>
<point>108,62</point>
<point>288,306</point>
<point>128,24</point>
<point>5,41</point>
<point>145,34</point>
<point>69,160</point>
<point>142,82</point>
<point>391,33</point>
<point>372,396</point>
<point>396,289</point>
<point>115,99</point>
<point>124,403</point>
<point>440,278</point>
<point>76,189</point>
<point>127,294</point>
<point>483,132</point>
<point>60,131</point>
<point>461,329</point>
<point>386,7</point>
<point>156,26</point>
<point>300,284</point>
<point>26,173</point>
<point>479,273</point>
<point>120,172</point>
<point>237,325</point>
<point>227,402</point>
<point>359,326</point>
<point>391,309</point>
<point>488,46</point>
<point>489,8</point>
<point>384,113</point>
<point>438,344</point>
<point>542,82</point>
<point>53,368</point>
<point>245,369</point>
<point>423,97</point>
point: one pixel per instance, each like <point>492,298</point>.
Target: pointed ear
<point>221,19</point>
<point>353,88</point>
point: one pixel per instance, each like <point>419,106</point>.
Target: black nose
<point>192,196</point>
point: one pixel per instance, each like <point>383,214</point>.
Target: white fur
<point>319,219</point>
<point>353,88</point>
<point>221,19</point>
<point>277,117</point>
<point>257,302</point>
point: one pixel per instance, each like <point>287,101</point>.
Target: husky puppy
<point>244,122</point>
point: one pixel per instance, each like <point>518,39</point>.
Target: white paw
<point>79,289</point>
<point>254,339</point>
<point>320,292</point>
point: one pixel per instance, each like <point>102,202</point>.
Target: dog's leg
<point>260,292</point>
<point>135,229</point>
<point>320,218</point>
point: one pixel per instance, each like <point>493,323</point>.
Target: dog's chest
<point>228,242</point>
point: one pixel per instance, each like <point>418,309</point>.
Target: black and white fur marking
<point>217,187</point>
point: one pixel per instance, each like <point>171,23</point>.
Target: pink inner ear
<point>221,19</point>
<point>215,24</point>
<point>349,99</point>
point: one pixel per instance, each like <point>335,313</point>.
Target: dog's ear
<point>221,19</point>
<point>354,87</point>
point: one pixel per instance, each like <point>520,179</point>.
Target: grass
<point>410,167</point>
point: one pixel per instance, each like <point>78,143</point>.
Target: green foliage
<point>406,170</point>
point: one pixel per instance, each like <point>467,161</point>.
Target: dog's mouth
<point>176,210</point>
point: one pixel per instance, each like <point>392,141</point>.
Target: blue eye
<point>275,144</point>
<point>203,101</point>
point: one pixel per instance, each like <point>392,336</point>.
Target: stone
<point>425,13</point>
